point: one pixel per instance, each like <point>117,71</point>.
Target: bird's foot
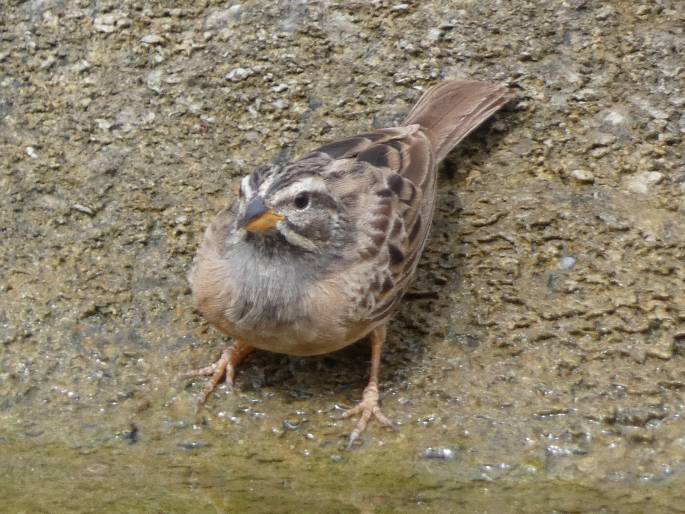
<point>222,368</point>
<point>368,408</point>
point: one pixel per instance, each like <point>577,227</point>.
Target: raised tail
<point>450,110</point>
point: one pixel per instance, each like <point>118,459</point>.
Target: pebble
<point>567,262</point>
<point>103,124</point>
<point>109,23</point>
<point>291,424</point>
<point>222,18</point>
<point>438,453</point>
<point>192,445</point>
<point>81,66</point>
<point>603,139</point>
<point>613,222</point>
<point>583,176</point>
<point>663,349</point>
<point>152,39</point>
<point>239,74</point>
<point>172,79</point>
<point>154,81</point>
<point>82,208</point>
<point>599,152</point>
<point>615,118</point>
<point>641,182</point>
<point>434,35</point>
<point>604,13</point>
<point>48,63</point>
<point>585,95</point>
<point>647,106</point>
<point>105,23</point>
<point>558,451</point>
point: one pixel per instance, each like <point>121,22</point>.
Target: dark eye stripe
<point>316,229</point>
<point>321,198</point>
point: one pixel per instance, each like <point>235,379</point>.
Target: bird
<point>316,254</point>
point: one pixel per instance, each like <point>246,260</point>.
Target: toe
<point>383,419</point>
<point>201,372</point>
<point>352,412</point>
<point>367,413</point>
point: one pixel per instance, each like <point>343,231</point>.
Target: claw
<point>368,408</point>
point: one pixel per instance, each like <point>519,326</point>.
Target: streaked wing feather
<point>395,208</point>
<point>386,178</point>
<point>350,147</point>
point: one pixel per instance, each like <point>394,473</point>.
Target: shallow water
<point>537,363</point>
<point>153,477</point>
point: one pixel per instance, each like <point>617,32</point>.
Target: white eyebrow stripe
<point>312,184</point>
<point>246,187</point>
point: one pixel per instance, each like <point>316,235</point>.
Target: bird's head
<point>292,205</point>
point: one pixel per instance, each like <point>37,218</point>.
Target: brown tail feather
<point>450,110</point>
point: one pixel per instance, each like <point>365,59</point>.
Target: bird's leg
<point>369,406</point>
<point>224,367</point>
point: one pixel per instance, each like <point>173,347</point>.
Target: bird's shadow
<point>424,314</point>
<point>302,378</point>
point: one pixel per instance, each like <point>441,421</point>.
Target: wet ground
<point>538,363</point>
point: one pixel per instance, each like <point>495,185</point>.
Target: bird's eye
<point>301,200</point>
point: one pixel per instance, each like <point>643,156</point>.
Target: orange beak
<point>258,217</point>
<point>266,221</point>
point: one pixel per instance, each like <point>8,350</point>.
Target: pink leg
<point>369,406</point>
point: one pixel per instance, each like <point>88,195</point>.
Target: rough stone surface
<point>122,133</point>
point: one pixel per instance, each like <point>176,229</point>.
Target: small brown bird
<point>316,254</point>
